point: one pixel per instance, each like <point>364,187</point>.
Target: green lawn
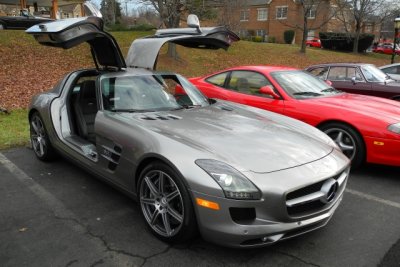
<point>27,68</point>
<point>14,129</point>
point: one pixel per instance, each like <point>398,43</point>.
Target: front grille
<point>315,197</point>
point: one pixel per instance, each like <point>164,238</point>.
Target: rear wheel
<point>165,204</point>
<point>39,138</point>
<point>348,140</point>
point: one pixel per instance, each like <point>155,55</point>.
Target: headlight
<point>234,184</point>
<point>395,128</point>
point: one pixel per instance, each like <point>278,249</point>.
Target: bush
<point>344,41</point>
<point>257,39</point>
<point>143,27</point>
<point>271,39</point>
<point>121,27</point>
<point>288,36</point>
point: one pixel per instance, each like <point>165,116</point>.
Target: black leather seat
<point>85,108</point>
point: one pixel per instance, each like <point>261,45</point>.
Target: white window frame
<point>281,8</point>
<point>312,13</point>
<point>263,31</point>
<point>245,11</point>
<point>263,11</point>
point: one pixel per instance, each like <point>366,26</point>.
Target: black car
<point>24,21</point>
<point>358,78</point>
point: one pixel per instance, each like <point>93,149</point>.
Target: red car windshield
<point>300,84</point>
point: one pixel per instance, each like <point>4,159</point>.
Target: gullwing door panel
<point>69,33</point>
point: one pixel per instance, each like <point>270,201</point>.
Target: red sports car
<point>386,49</point>
<point>365,128</point>
<point>314,43</point>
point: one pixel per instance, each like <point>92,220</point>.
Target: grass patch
<point>14,129</point>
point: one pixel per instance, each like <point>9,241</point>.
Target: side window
<point>321,72</point>
<point>248,82</point>
<point>337,74</point>
<point>353,72</point>
<point>218,79</point>
<point>392,70</point>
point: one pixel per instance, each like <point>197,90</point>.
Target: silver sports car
<point>240,176</point>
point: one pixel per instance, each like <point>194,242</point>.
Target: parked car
<point>314,43</point>
<point>365,128</point>
<point>386,49</point>
<point>23,21</point>
<point>242,176</point>
<point>393,70</point>
<point>358,78</point>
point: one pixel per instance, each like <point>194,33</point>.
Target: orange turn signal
<point>377,143</point>
<point>207,204</point>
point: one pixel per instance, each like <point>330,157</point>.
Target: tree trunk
<point>356,37</point>
<point>305,35</point>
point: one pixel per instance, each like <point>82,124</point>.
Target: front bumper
<point>218,227</point>
<point>271,219</point>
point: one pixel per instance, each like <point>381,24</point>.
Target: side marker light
<point>207,204</point>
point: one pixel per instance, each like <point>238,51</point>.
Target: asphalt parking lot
<point>58,215</point>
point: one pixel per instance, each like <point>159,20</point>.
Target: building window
<point>281,12</point>
<point>260,32</point>
<point>368,28</point>
<point>243,33</point>
<point>244,15</point>
<point>262,14</point>
<point>311,13</point>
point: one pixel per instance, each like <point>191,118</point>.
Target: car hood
<point>257,141</point>
<point>387,109</point>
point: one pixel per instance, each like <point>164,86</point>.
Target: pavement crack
<point>71,262</point>
<point>296,258</point>
<point>101,261</point>
<point>155,255</point>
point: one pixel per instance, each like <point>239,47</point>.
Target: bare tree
<point>228,15</point>
<point>360,11</point>
<point>310,10</point>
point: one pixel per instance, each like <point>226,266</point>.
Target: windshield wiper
<point>127,110</point>
<point>327,90</point>
<point>307,93</point>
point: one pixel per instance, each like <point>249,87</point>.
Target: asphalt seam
<point>373,198</point>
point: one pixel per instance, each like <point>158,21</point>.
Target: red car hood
<point>367,105</point>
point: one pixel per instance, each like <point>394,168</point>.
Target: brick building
<point>271,18</point>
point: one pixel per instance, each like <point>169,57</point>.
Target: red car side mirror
<point>268,90</point>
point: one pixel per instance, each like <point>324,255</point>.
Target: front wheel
<point>165,204</point>
<point>348,140</point>
<point>39,138</point>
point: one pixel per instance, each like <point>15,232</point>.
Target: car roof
<point>390,65</point>
<point>262,68</point>
<point>337,64</point>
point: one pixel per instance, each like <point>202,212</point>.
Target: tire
<point>39,139</point>
<point>173,220</point>
<point>349,141</point>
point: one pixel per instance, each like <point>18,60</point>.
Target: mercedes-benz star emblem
<point>329,188</point>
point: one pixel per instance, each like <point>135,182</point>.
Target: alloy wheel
<point>162,203</point>
<point>344,140</point>
<point>38,136</point>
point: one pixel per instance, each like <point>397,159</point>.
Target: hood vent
<point>154,117</point>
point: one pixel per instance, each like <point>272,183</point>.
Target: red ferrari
<point>365,128</point>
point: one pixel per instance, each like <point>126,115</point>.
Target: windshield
<point>146,93</point>
<point>373,74</point>
<point>300,84</point>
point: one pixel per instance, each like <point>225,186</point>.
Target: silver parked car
<point>393,70</point>
<point>241,176</point>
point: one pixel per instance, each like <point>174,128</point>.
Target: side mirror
<point>353,80</point>
<point>268,90</point>
<point>193,22</point>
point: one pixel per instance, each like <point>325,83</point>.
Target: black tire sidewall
<point>360,156</point>
<point>189,227</point>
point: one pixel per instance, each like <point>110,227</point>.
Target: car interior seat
<point>85,108</point>
<point>242,85</point>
